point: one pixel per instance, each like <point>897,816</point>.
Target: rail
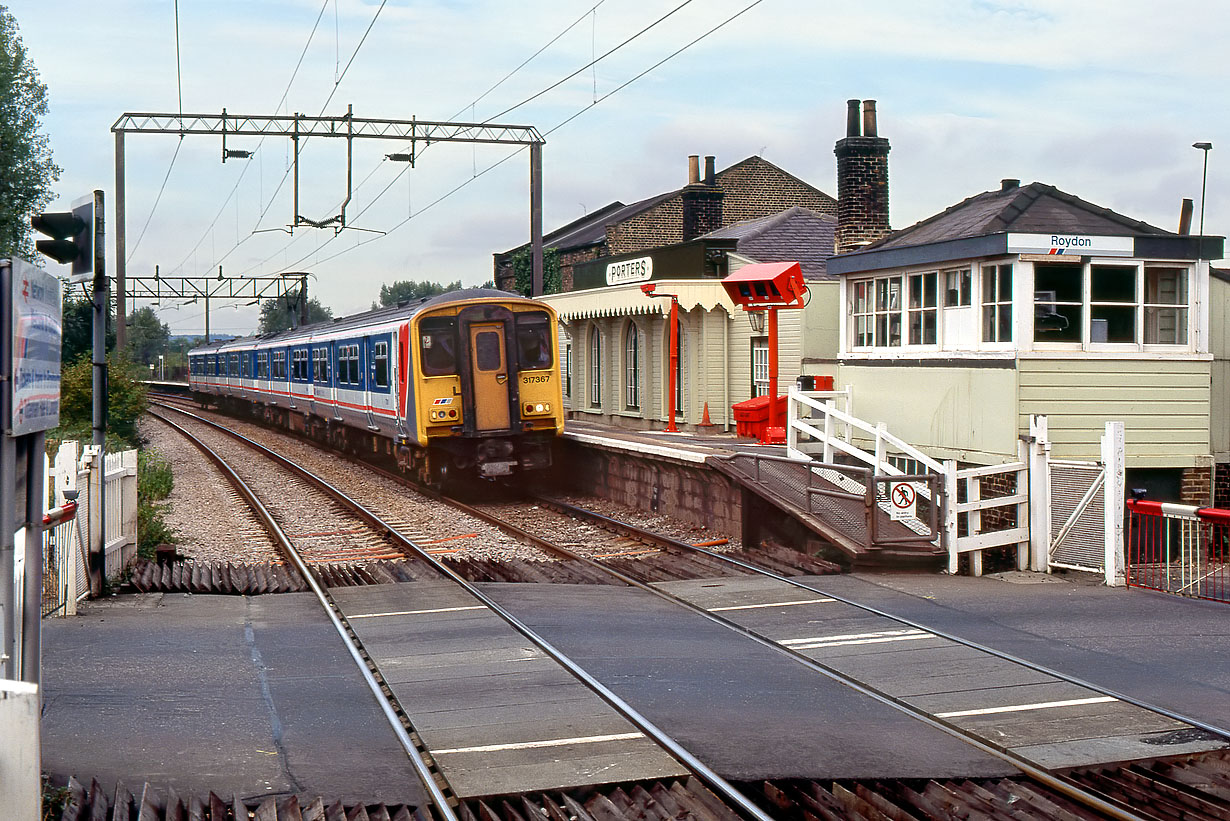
<point>1179,549</point>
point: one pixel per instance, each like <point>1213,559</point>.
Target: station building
<point>1028,300</point>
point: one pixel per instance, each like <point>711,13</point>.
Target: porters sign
<point>1070,245</point>
<point>629,270</point>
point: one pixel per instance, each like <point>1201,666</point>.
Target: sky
<point>1100,98</point>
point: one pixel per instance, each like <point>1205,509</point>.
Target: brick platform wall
<point>686,491</point>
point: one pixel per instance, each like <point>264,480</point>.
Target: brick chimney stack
<point>702,200</point>
<point>862,179</point>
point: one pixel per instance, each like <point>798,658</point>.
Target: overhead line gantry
<point>295,126</point>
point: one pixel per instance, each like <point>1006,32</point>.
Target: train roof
<point>403,310</point>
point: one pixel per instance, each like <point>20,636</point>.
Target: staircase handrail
<point>879,433</point>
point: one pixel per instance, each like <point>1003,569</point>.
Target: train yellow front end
<point>486,394</point>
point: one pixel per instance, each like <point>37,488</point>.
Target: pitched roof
<point>1033,208</point>
<point>796,234</point>
<point>591,228</point>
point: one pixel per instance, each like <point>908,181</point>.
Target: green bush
<point>154,483</point>
<point>126,401</point>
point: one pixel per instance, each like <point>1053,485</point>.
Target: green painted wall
<point>951,412</point>
<point>1163,404</point>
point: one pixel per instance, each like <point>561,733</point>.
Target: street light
<point>1205,147</point>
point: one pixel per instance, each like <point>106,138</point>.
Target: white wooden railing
<point>820,426</point>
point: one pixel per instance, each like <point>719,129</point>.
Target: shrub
<point>154,483</point>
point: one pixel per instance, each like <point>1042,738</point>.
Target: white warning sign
<point>902,501</point>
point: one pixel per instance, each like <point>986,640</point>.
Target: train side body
<point>465,382</point>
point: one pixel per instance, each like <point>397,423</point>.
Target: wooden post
<point>1113,502</point>
<point>1039,495</point>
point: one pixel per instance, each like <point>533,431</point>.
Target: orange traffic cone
<point>704,420</point>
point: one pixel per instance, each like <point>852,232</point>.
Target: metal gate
<point>1082,517</point>
<point>1078,516</point>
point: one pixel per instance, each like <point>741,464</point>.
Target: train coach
<point>465,384</point>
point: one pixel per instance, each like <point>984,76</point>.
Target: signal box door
<point>490,369</point>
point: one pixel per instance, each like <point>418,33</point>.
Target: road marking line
<point>883,640</point>
<point>1018,708</point>
<point>770,604</point>
<point>876,634</point>
<point>530,745</point>
<point>415,612</point>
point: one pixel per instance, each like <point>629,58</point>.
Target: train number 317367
<point>527,378</point>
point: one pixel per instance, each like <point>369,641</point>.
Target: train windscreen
<point>438,345</point>
<point>533,340</point>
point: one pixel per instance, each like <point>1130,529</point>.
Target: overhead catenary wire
<point>244,171</point>
<point>518,151</point>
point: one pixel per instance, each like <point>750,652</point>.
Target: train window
<point>533,340</point>
<point>320,365</point>
<point>348,364</point>
<point>380,359</point>
<point>438,343</point>
<point>487,351</point>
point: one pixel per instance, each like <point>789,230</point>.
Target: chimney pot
<point>709,170</point>
<point>869,118</point>
<point>1008,184</point>
<point>1185,216</point>
<point>852,116</point>
<point>693,169</point>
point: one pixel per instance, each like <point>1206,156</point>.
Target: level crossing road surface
<point>256,696</point>
<point>245,696</point>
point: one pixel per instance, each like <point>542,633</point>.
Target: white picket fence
<point>74,476</point>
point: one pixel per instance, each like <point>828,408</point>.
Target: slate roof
<point>1030,209</point>
<point>796,234</point>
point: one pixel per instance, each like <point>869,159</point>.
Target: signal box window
<point>1058,302</point>
<point>534,340</point>
<point>438,345</point>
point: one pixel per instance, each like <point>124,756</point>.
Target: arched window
<point>595,367</point>
<point>632,367</point>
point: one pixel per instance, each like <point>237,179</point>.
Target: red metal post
<point>772,369</point>
<point>674,364</point>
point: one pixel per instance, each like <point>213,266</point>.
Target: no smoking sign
<point>902,501</point>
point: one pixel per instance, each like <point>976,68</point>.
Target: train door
<point>489,367</point>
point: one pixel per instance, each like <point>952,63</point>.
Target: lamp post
<point>648,288</point>
<point>1205,147</point>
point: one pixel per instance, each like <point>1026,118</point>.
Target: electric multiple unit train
<point>466,384</point>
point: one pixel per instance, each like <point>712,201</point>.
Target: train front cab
<point>487,397</point>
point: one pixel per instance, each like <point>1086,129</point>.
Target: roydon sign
<point>629,270</point>
<point>1070,245</point>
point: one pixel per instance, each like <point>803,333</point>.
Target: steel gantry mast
<point>296,126</point>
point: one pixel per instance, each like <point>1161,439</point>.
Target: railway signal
<point>72,237</point>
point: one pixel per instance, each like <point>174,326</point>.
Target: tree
<point>283,314</point>
<point>523,271</point>
<point>126,401</point>
<point>409,291</point>
<point>26,170</point>
<point>147,336</point>
<point>78,320</point>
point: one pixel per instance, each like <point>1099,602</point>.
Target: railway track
<point>1135,795</point>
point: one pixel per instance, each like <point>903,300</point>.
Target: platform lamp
<point>649,289</point>
<point>1204,177</point>
<point>767,287</point>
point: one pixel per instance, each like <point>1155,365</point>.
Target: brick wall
<point>1221,485</point>
<point>1196,486</point>
<point>862,191</point>
<point>702,210</point>
<point>751,189</point>
<point>686,491</point>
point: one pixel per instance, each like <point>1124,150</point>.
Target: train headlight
<point>537,407</point>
